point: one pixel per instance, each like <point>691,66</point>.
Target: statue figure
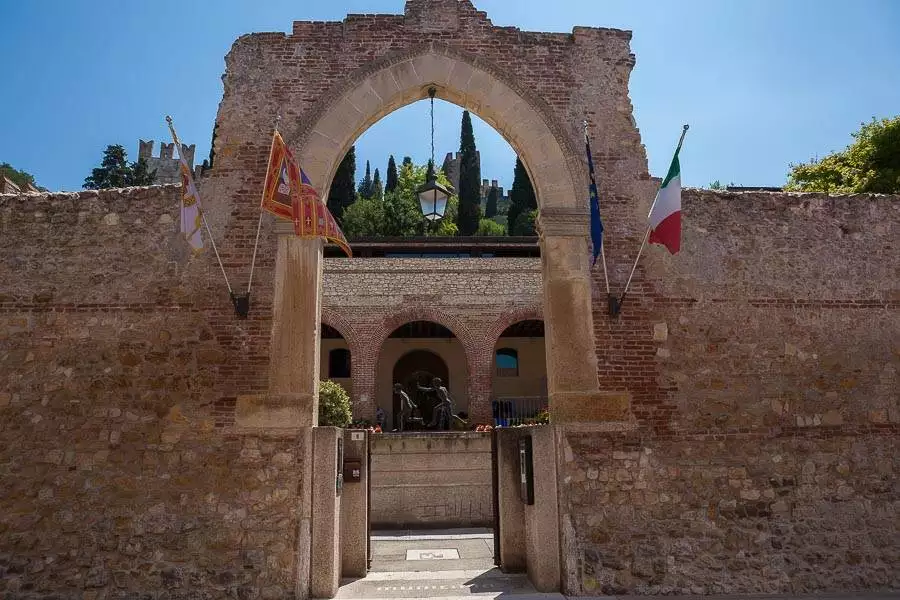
<point>443,411</point>
<point>407,406</point>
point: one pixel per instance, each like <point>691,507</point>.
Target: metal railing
<point>517,410</point>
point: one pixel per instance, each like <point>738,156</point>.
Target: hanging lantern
<point>432,195</point>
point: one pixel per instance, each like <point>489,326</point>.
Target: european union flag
<point>596,222</point>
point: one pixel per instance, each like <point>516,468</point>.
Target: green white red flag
<point>665,214</point>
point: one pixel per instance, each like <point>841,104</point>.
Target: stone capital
<point>564,222</point>
<point>590,407</point>
<point>273,413</point>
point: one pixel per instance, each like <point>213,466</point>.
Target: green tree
<point>21,178</point>
<point>343,188</point>
<point>490,208</point>
<point>525,223</point>
<point>407,160</point>
<point>334,405</point>
<point>114,171</point>
<point>391,183</point>
<point>377,187</point>
<point>364,218</point>
<point>490,228</point>
<point>522,200</point>
<point>399,214</point>
<point>871,164</point>
<point>469,180</point>
<point>365,186</point>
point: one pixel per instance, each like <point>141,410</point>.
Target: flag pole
<point>212,240</point>
<point>621,300</point>
<point>602,252</point>
<point>259,223</point>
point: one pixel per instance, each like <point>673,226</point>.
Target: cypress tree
<point>469,214</point>
<point>343,189</point>
<point>490,208</point>
<point>377,188</point>
<point>391,183</point>
<point>521,199</point>
<point>365,186</point>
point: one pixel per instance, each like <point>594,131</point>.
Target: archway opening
<point>335,359</point>
<point>519,379</point>
<point>415,370</point>
<point>412,355</point>
<point>373,191</point>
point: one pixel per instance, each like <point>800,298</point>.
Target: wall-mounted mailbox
<point>352,470</point>
<point>526,471</point>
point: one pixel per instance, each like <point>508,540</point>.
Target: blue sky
<point>762,82</point>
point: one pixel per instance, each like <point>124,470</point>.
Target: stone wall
<point>431,480</point>
<point>116,475</point>
<point>764,371</point>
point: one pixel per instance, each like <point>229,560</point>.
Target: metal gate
<point>495,493</point>
<point>369,501</point>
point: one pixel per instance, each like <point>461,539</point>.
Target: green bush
<point>334,405</point>
<point>490,228</point>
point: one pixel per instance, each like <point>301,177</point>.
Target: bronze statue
<point>443,411</point>
<point>407,406</point>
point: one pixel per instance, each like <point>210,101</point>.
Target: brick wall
<point>366,299</point>
<point>764,368</point>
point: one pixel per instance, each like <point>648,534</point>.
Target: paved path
<point>458,564</point>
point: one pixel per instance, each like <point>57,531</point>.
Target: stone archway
<point>384,85</point>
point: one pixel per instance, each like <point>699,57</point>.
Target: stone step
<point>489,583</point>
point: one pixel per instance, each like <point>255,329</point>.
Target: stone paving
<point>473,574</point>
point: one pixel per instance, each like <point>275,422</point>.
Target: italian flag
<point>665,214</point>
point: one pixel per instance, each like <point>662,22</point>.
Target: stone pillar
<point>572,382</point>
<point>480,363</point>
<point>294,362</point>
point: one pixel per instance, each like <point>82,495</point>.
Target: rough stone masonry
<point>761,362</point>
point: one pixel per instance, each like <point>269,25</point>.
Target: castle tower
<point>166,164</point>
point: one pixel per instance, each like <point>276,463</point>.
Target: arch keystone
<point>433,67</point>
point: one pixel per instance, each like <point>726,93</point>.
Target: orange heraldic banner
<point>288,194</point>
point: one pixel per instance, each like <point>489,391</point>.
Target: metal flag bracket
<point>241,303</point>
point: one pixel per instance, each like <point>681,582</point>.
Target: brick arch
<point>526,313</point>
<point>344,327</point>
<point>327,131</point>
<point>333,319</point>
<point>395,320</point>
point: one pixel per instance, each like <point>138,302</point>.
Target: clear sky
<point>762,82</point>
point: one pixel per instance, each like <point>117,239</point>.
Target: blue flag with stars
<point>596,222</point>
